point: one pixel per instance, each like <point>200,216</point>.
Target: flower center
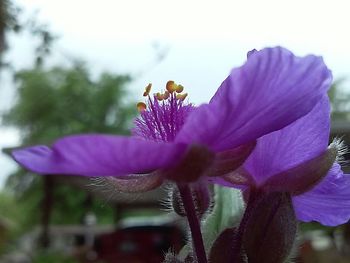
<point>163,114</point>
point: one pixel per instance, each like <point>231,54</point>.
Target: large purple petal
<point>327,203</point>
<point>99,155</point>
<point>271,90</point>
<point>299,142</point>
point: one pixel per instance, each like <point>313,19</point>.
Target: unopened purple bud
<point>271,229</point>
<point>176,203</point>
<point>200,196</point>
<point>223,249</point>
<point>190,258</point>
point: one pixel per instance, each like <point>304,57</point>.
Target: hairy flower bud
<point>176,203</point>
<point>223,250</point>
<point>200,196</point>
<point>271,229</point>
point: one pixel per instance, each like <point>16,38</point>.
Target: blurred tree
<point>61,101</point>
<point>10,22</point>
<point>56,102</point>
<point>340,101</point>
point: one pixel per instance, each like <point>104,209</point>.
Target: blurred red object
<point>146,244</point>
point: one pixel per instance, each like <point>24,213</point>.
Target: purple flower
<point>296,159</point>
<point>176,141</point>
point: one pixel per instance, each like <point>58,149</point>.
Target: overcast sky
<point>203,40</point>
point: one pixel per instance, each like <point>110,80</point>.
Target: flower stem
<point>193,222</point>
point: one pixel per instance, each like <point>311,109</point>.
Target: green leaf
<point>227,212</point>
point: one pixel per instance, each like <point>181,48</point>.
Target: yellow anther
<point>171,86</point>
<point>141,106</point>
<point>147,90</point>
<point>181,96</point>
<point>166,95</point>
<point>159,96</point>
<point>179,88</point>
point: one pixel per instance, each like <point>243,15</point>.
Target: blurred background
<point>79,66</point>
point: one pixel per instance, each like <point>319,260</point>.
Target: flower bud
<point>190,258</point>
<point>271,229</point>
<point>200,196</point>
<point>223,250</point>
<point>176,202</point>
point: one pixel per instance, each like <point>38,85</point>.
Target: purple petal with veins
<point>100,155</point>
<point>271,90</point>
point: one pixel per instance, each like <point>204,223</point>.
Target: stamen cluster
<point>164,113</point>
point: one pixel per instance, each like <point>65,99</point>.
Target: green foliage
<point>8,208</point>
<point>227,213</point>
<point>340,101</point>
<point>8,211</point>
<point>52,257</point>
<point>60,101</point>
<point>55,102</point>
<point>8,21</point>
<point>70,206</point>
<point>11,21</point>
